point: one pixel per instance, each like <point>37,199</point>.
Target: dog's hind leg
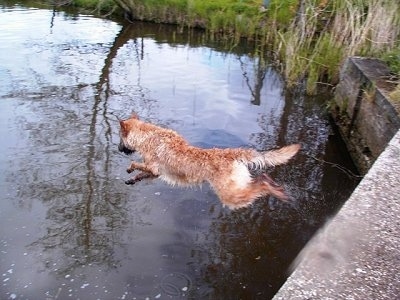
<point>236,196</point>
<point>138,166</point>
<point>140,176</point>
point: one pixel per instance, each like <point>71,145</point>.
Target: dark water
<point>71,229</point>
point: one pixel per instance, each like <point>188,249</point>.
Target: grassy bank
<point>234,18</point>
<point>308,39</point>
<point>326,32</point>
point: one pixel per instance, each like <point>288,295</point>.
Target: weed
<point>395,95</point>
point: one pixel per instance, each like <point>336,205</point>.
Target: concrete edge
<point>356,255</point>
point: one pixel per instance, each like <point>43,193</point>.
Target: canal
<point>69,226</point>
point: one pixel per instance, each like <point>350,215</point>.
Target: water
<point>69,226</point>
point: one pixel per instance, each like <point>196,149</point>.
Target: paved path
<point>357,254</point>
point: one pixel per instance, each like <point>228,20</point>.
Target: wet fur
<point>237,175</point>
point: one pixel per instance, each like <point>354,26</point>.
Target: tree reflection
<point>259,76</point>
<point>88,214</point>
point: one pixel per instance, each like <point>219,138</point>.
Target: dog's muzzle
<point>124,149</point>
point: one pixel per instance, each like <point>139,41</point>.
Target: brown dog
<point>237,175</point>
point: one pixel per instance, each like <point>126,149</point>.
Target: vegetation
<point>99,7</point>
<point>329,31</point>
<point>395,96</point>
<point>308,38</point>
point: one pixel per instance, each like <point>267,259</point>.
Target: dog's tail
<point>249,180</point>
<point>273,157</point>
<point>270,186</point>
<point>261,185</point>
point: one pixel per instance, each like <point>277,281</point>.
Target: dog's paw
<point>130,181</point>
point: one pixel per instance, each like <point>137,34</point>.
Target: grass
<point>308,38</point>
<point>326,32</point>
<point>99,7</point>
<point>395,96</point>
<point>392,59</point>
<point>236,18</point>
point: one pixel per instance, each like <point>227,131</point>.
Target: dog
<point>237,175</point>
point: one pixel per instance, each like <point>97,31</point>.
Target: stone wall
<point>367,119</point>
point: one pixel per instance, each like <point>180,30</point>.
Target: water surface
<point>69,226</point>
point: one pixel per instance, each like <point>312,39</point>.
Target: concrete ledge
<point>357,254</point>
<point>366,117</point>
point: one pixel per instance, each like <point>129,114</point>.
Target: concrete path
<point>357,254</point>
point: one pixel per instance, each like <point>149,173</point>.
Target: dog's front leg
<point>140,176</point>
<point>138,166</point>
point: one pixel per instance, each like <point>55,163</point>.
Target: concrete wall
<point>357,254</point>
<point>366,118</point>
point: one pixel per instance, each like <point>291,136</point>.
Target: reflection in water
<point>69,225</point>
<point>261,71</point>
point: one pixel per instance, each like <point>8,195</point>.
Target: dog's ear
<point>135,116</point>
<point>124,127</point>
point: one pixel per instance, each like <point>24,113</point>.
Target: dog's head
<point>125,127</point>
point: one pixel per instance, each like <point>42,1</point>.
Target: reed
<point>395,96</point>
<point>326,32</point>
<point>392,58</point>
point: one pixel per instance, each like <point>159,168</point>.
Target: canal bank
<point>366,114</point>
<point>356,255</point>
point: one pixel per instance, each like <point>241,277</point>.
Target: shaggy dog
<point>237,175</point>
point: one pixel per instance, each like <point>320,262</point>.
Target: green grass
<point>234,17</point>
<point>282,12</point>
<point>96,6</point>
<point>392,59</point>
<point>326,32</point>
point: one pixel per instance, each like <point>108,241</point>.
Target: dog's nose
<point>124,149</point>
<point>121,147</point>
